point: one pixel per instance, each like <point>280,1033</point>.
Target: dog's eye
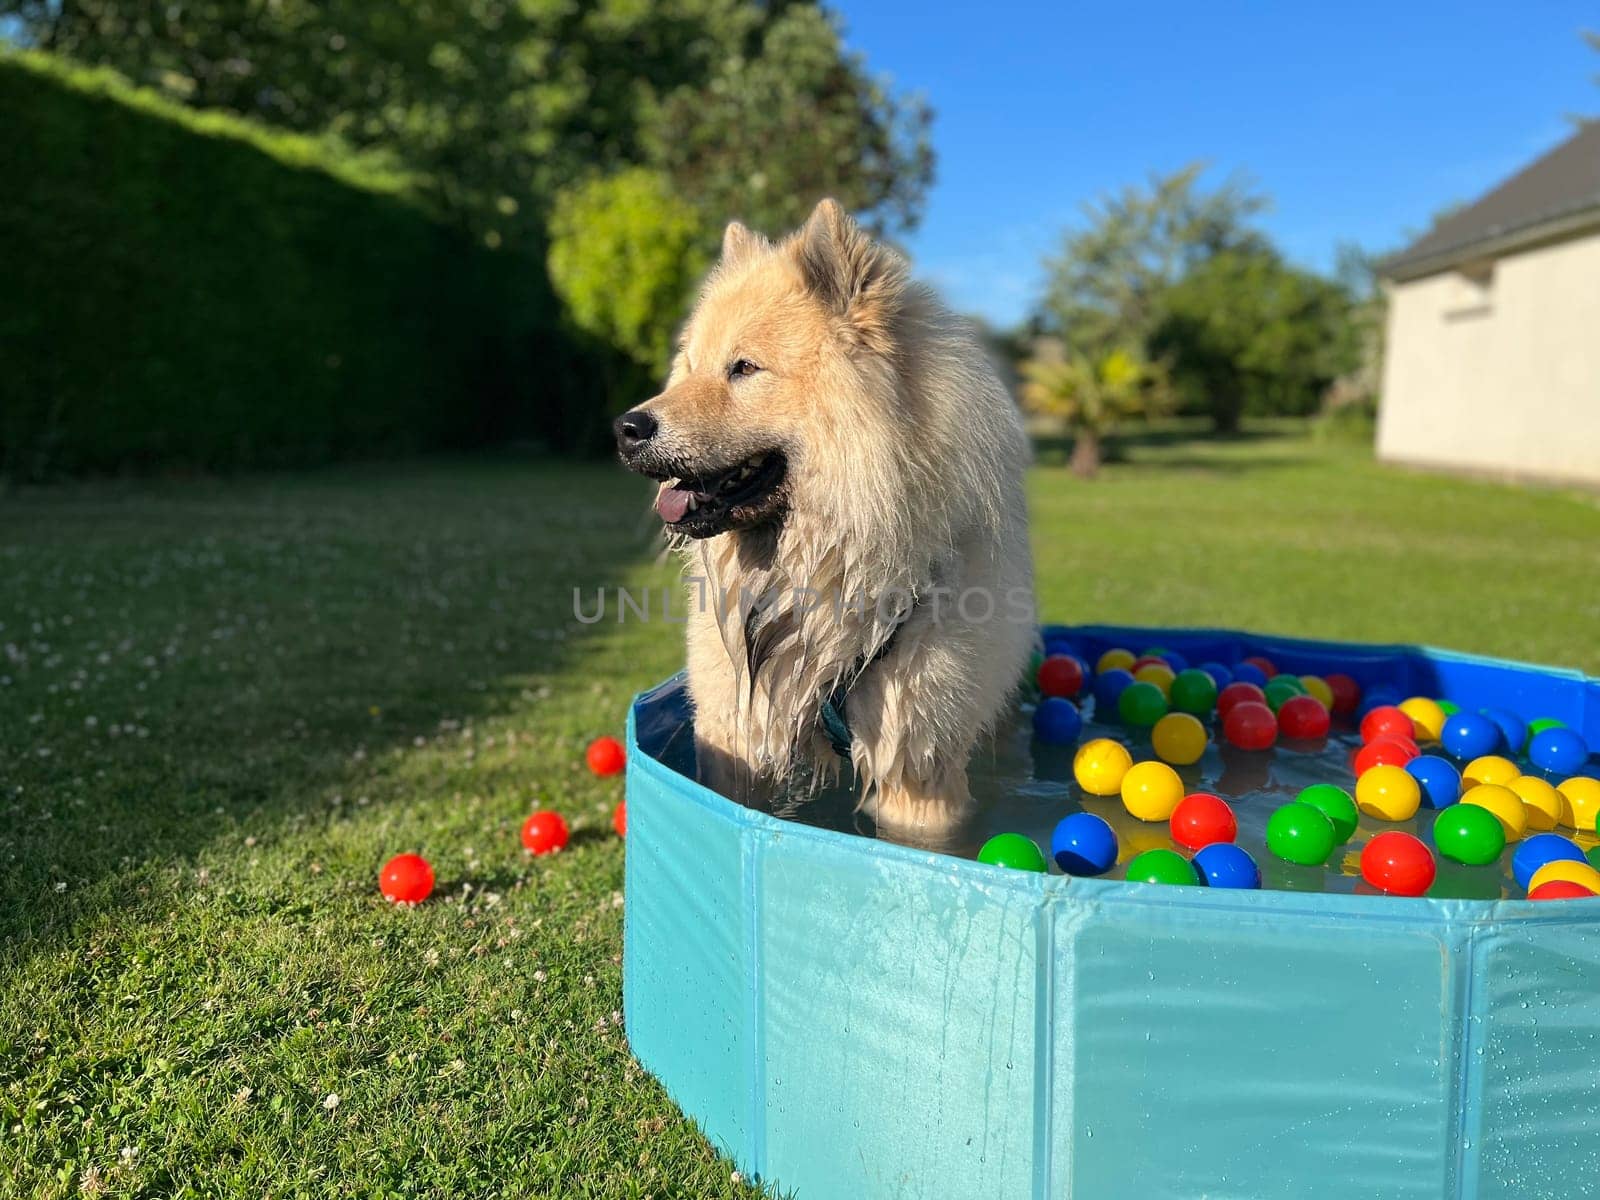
<point>741,366</point>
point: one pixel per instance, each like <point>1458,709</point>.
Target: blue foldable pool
<point>846,1017</point>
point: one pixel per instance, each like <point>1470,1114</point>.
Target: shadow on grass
<point>1163,444</point>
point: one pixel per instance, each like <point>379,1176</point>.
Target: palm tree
<point>1091,393</point>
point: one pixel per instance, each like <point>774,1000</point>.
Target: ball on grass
<point>406,879</point>
<point>544,832</point>
<point>606,756</point>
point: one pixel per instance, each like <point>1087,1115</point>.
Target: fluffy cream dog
<point>843,471</point>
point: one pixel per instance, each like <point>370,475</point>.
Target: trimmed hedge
<point>182,288</point>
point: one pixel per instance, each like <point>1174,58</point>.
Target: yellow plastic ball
<point>1151,790</point>
<point>1426,715</point>
<point>1316,686</point>
<point>1113,659</point>
<point>1491,768</point>
<point>1580,873</point>
<point>1388,793</point>
<point>1100,765</point>
<point>1503,803</point>
<point>1580,803</point>
<point>1541,802</point>
<point>1157,674</point>
<point>1179,738</point>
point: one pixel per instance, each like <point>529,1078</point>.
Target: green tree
<point>1092,394</point>
<point>1246,332</point>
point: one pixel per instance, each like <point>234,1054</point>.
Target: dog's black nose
<point>633,428</point>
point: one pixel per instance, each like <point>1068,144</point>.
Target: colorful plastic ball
<point>1108,688</point>
<point>1303,718</point>
<point>1031,675</point>
<point>1593,855</point>
<point>544,832</point>
<point>1387,721</point>
<point>1084,844</point>
<point>1560,889</point>
<point>1116,659</point>
<point>1141,704</point>
<point>1491,768</point>
<point>406,879</point>
<point>619,818</point>
<point>1171,657</point>
<point>1539,850</point>
<point>1224,865</point>
<point>1543,804</point>
<point>1060,675</point>
<point>1438,778</point>
<point>1334,803</point>
<point>1056,722</point>
<point>1263,664</point>
<point>1384,752</point>
<point>1539,725</point>
<point>1389,793</point>
<point>1220,675</point>
<point>1448,707</point>
<point>1201,819</point>
<point>1426,715</point>
<point>606,756</point>
<point>1398,863</point>
<point>1301,834</point>
<point>1512,728</point>
<point>1179,738</point>
<point>1238,693</point>
<point>1148,660</point>
<point>1503,803</point>
<point>1248,672</point>
<point>1100,765</point>
<point>1151,791</point>
<point>1572,872</point>
<point>1379,695</point>
<point>1346,692</point>
<point>1161,866</point>
<point>1580,802</point>
<point>1157,673</point>
<point>1193,691</point>
<point>1280,690</point>
<point>1056,643</point>
<point>1469,735</point>
<point>1012,850</point>
<point>1559,751</point>
<point>1250,726</point>
<point>1316,686</point>
<point>1468,834</point>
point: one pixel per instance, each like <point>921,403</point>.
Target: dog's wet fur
<point>829,425</point>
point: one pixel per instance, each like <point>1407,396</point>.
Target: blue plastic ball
<point>1512,728</point>
<point>1224,865</point>
<point>1219,674</point>
<point>1249,673</point>
<point>1084,844</point>
<point>1560,751</point>
<point>1379,695</point>
<point>1175,660</point>
<point>1534,852</point>
<point>1467,736</point>
<point>1438,778</point>
<point>1056,722</point>
<point>1108,689</point>
<point>1060,645</point>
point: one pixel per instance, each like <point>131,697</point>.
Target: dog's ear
<point>850,273</point>
<point>739,244</point>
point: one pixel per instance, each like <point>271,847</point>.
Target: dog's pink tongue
<point>672,504</point>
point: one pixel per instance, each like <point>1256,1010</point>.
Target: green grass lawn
<point>222,705</point>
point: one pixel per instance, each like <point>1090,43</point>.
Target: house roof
<point>1555,193</point>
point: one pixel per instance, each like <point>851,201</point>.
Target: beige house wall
<point>1496,367</point>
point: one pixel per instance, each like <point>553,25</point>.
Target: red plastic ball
<point>606,756</point>
<point>406,879</point>
<point>1303,717</point>
<point>1346,692</point>
<point>1263,664</point>
<point>1201,819</point>
<point>544,832</point>
<point>1397,863</point>
<point>1560,889</point>
<point>1060,675</point>
<point>1385,751</point>
<point>1250,726</point>
<point>1386,721</point>
<point>1238,693</point>
<point>1147,659</point>
<point>619,818</point>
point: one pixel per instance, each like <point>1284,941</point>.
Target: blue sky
<point>1360,120</point>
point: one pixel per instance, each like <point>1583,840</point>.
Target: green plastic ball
<point>1161,866</point>
<point>1336,804</point>
<point>1466,833</point>
<point>1300,834</point>
<point>1012,850</point>
<point>1593,855</point>
<point>1281,689</point>
<point>1141,704</point>
<point>1448,708</point>
<point>1194,691</point>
